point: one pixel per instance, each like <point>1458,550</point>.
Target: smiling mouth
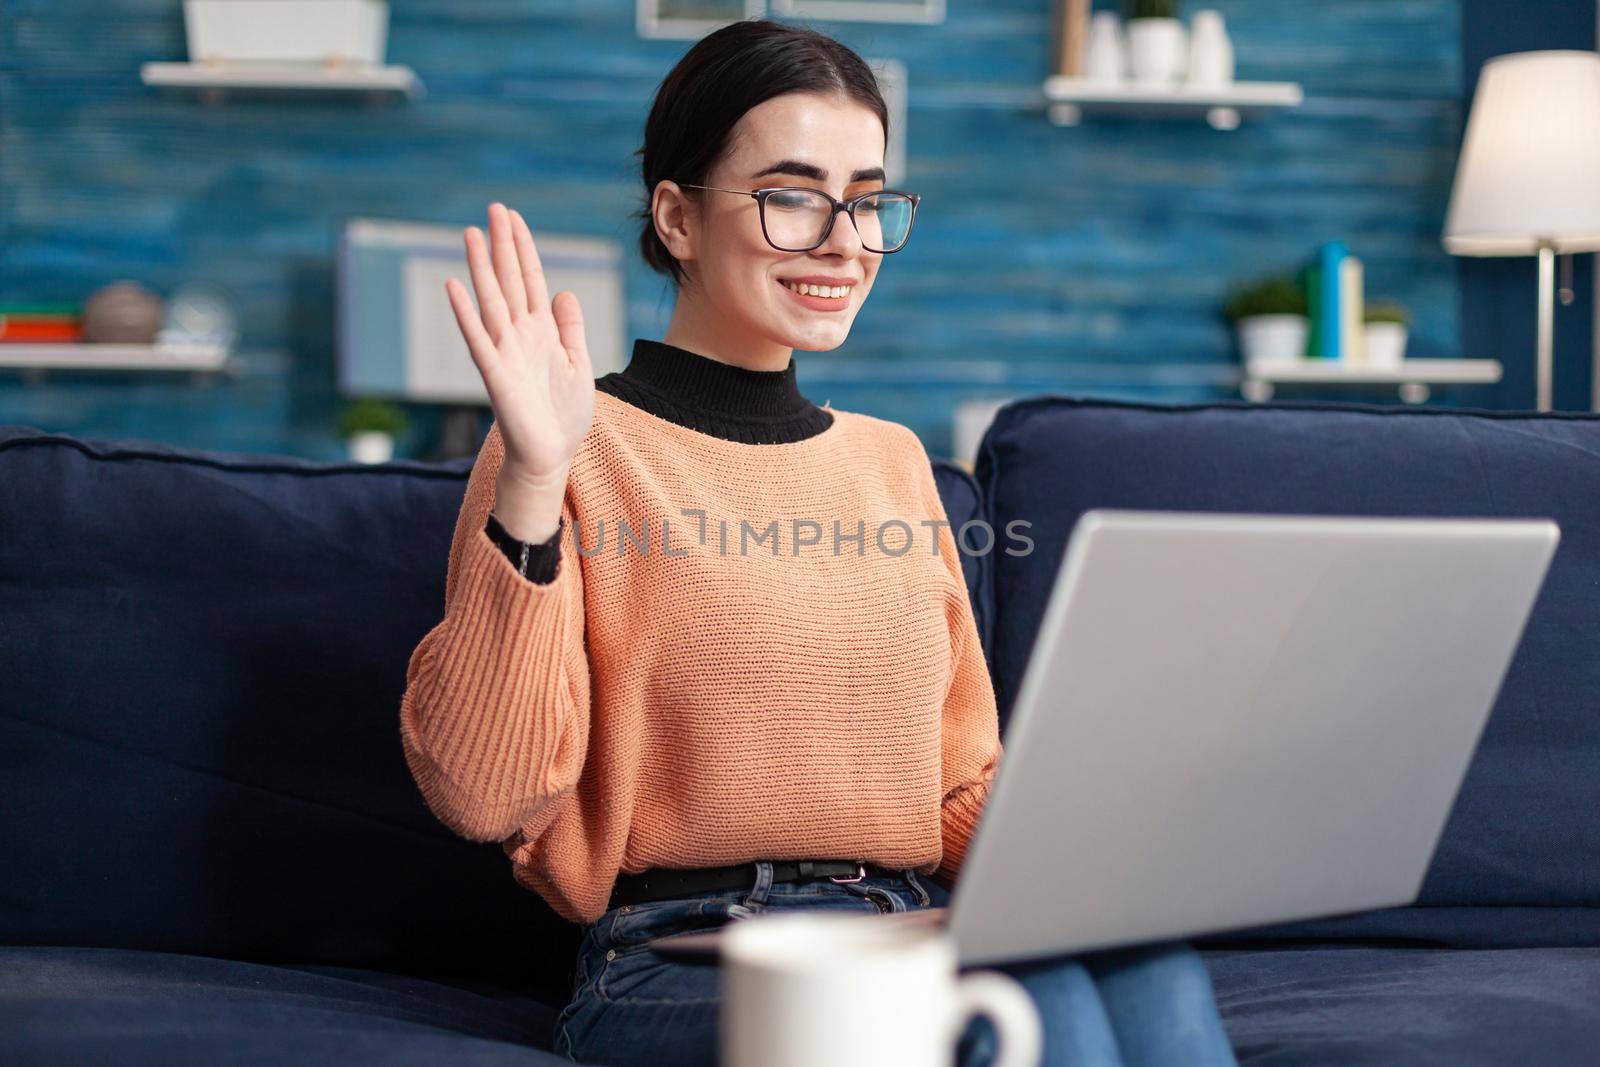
<point>820,297</point>
<point>824,292</point>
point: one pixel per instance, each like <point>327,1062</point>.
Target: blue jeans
<point>629,1005</point>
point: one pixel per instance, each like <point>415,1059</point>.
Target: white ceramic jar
<point>1210,50</point>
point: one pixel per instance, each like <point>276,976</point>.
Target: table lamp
<point>1528,181</point>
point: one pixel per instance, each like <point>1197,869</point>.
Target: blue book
<point>1330,257</point>
<point>1310,278</point>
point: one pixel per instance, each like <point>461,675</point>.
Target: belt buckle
<point>861,872</point>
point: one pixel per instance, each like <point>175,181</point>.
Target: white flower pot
<point>1157,50</point>
<point>341,32</point>
<point>1385,343</point>
<point>1272,338</point>
<point>371,446</point>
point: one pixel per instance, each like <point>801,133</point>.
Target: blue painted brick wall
<point>1089,259</point>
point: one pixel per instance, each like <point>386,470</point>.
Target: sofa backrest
<point>201,661</point>
<point>1519,862</point>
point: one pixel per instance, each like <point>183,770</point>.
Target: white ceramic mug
<point>801,988</point>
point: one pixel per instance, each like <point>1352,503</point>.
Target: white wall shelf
<point>1412,376</point>
<point>1069,99</point>
<point>181,357</point>
<point>213,79</point>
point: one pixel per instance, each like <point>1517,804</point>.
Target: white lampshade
<point>1530,161</point>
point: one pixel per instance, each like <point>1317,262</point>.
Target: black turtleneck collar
<point>716,398</point>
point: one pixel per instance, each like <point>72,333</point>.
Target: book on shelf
<point>1335,304</point>
<point>22,324</point>
<point>1352,334</point>
<point>1311,281</point>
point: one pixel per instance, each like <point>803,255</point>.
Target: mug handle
<point>1009,1007</point>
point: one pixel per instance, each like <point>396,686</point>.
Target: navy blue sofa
<point>213,851</point>
<point>1499,961</point>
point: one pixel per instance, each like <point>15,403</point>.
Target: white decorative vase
<point>1385,343</point>
<point>1156,50</point>
<point>1272,339</point>
<point>1210,51</point>
<point>332,32</point>
<point>371,446</point>
<point>1104,50</point>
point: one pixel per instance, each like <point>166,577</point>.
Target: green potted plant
<point>1157,41</point>
<point>1269,318</point>
<point>369,426</point>
<point>1385,327</point>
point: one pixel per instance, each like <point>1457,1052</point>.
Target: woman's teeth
<point>807,289</point>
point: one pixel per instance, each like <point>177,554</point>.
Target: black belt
<point>660,882</point>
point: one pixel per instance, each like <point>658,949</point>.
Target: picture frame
<point>927,12</point>
<point>691,19</point>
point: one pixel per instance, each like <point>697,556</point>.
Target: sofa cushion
<point>203,656</point>
<point>73,1006</point>
<point>1523,831</point>
<point>963,503</point>
<point>1423,1007</point>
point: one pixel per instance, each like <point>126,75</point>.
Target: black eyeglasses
<point>797,219</point>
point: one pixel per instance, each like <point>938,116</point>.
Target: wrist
<point>529,506</point>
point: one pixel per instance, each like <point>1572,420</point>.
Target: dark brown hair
<point>725,74</point>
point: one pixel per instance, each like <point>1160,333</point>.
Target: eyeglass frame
<point>849,207</point>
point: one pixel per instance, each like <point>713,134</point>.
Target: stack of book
<point>1334,304</point>
<point>40,324</point>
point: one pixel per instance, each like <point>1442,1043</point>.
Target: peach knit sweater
<point>683,705</point>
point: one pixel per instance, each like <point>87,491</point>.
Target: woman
<point>664,727</point>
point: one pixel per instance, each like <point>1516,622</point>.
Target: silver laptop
<point>1229,720</point>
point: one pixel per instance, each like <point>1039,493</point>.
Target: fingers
<point>496,316</point>
<point>479,344</point>
<point>506,267</point>
<point>532,268</point>
<point>569,322</point>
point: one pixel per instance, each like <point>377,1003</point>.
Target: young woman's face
<point>799,139</point>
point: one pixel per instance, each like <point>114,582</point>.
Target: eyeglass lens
<point>795,219</point>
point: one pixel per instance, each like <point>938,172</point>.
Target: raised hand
<point>534,360</point>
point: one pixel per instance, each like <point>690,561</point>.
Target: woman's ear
<point>673,215</point>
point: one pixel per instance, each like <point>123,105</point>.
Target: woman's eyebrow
<point>816,173</point>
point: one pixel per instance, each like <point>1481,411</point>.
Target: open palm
<point>530,349</point>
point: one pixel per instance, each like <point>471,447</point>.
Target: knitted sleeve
<point>494,721</point>
<point>970,728</point>
<point>543,558</point>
